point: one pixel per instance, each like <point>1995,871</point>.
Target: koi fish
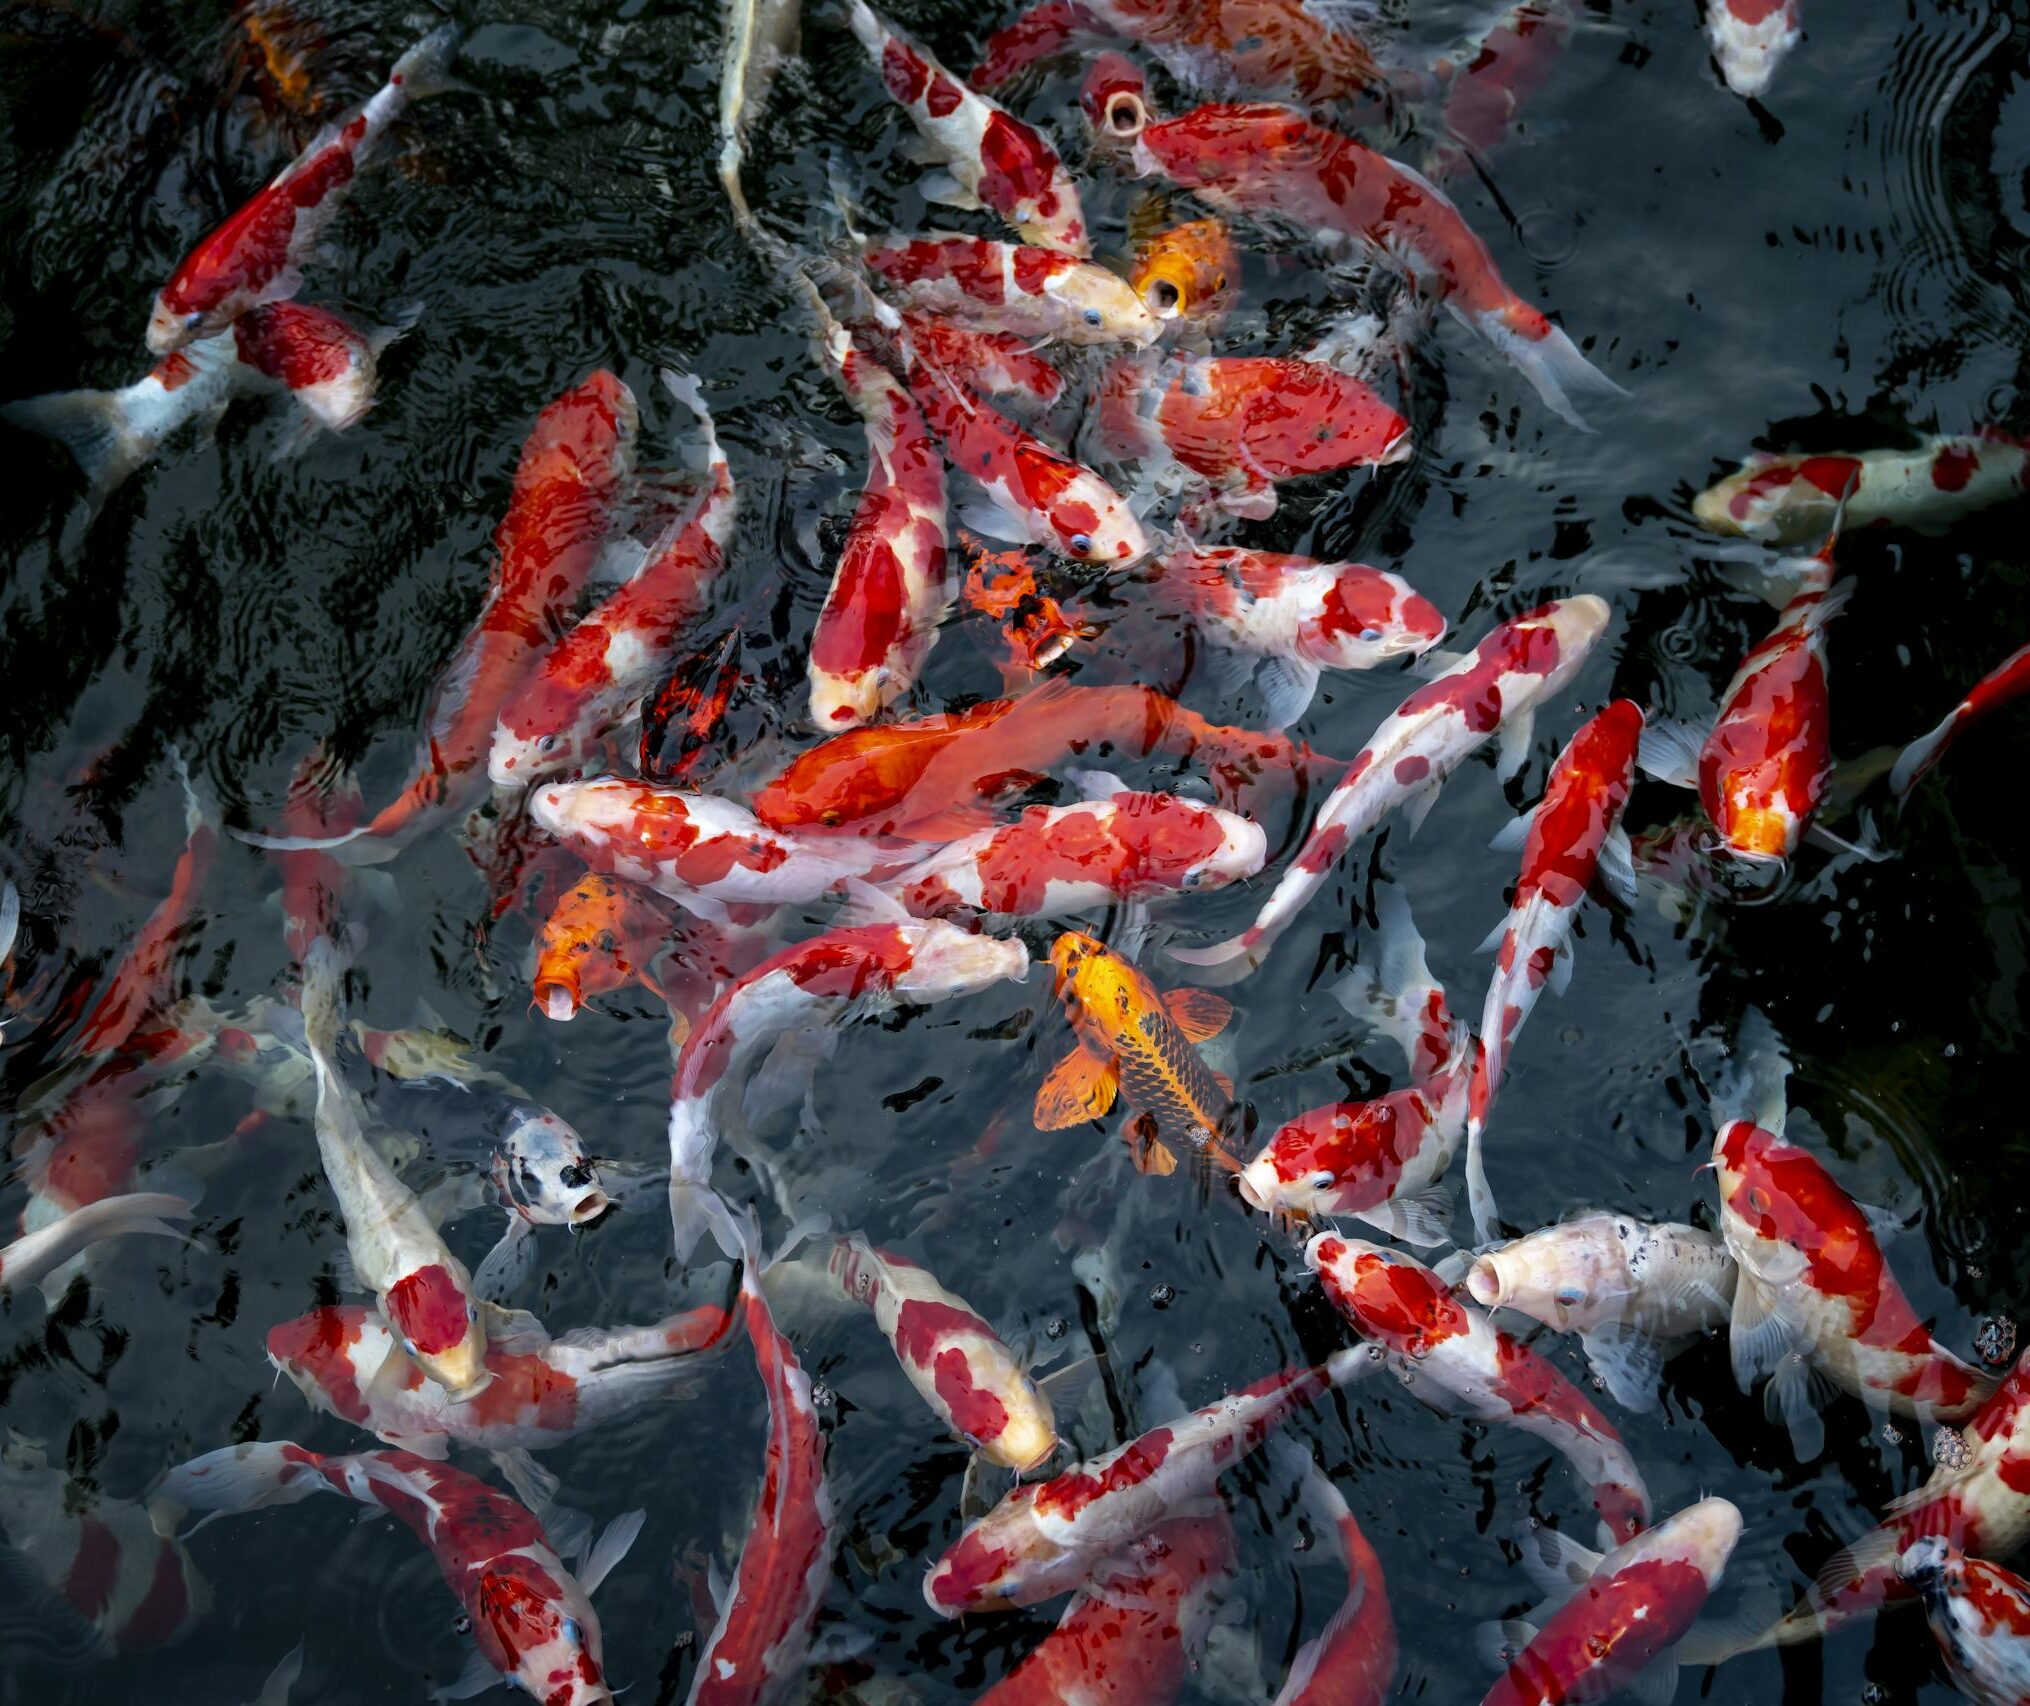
<point>346,1362</point>
<point>396,1253</point>
<point>1137,1041</point>
<point>694,849</point>
<point>1002,586</point>
<point>327,366</point>
<point>1291,618</point>
<point>757,1648</point>
<point>988,364</point>
<point>1189,272</point>
<point>111,1577</point>
<point>1751,38</point>
<point>920,778</point>
<point>760,35</point>
<point>572,469</point>
<point>1492,77</point>
<point>992,158</point>
<point>1630,1289</point>
<point>1135,1639</point>
<point>1790,500</point>
<point>1059,860</point>
<point>1980,1617</point>
<point>31,1259</point>
<point>1815,1301</point>
<point>1242,423</point>
<point>1449,1355</point>
<point>1029,492</point>
<point>595,675</point>
<point>1049,1537</point>
<point>1498,688</point>
<point>1279,48</point>
<point>890,587</point>
<point>2002,685</point>
<point>257,255</point>
<point>1017,288</point>
<point>1762,769</point>
<point>685,719</point>
<point>598,938</point>
<point>1570,836</point>
<point>1352,1660</point>
<point>1382,1161</point>
<point>826,982</point>
<point>313,883</point>
<point>956,1362</point>
<point>1625,1611</point>
<point>531,1618</point>
<point>1275,164</point>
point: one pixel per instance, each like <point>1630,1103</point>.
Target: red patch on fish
<point>429,1309</point>
<point>1953,467</point>
<point>1073,1491</point>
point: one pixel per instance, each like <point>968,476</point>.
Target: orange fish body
<point>599,937</point>
<point>1035,631</point>
<point>1139,1043</point>
<point>1188,272</point>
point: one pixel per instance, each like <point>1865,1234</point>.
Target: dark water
<point>1850,258</point>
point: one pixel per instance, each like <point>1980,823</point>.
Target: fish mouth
<point>591,1207</point>
<point>1483,1283</point>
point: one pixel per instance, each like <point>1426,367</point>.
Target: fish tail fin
<point>92,426</point>
<point>869,28</point>
<point>234,1478</point>
<point>1546,357</point>
<point>1919,756</point>
<point>425,70</point>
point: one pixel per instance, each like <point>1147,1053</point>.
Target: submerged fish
<point>2007,682</point>
<point>1352,1660</point>
<point>1791,500</point>
<point>1980,1616</point>
<point>1189,272</point>
<point>760,34</point>
<point>600,936</point>
<point>1030,292</point>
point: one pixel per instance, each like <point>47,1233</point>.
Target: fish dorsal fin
<point>1199,1014</point>
<point>1079,1087</point>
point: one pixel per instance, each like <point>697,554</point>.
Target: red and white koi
<point>257,255</point>
<point>824,982</point>
<point>1763,768</point>
<point>1625,1611</point>
<point>992,159</point>
<point>1294,617</point>
<point>135,1589</point>
<point>1032,493</point>
<point>1352,1660</point>
<point>1496,689</point>
<point>698,850</point>
<point>1017,288</point>
<point>1751,38</point>
<point>1980,1617</point>
<point>891,586</point>
<point>1275,164</point>
<point>34,1257</point>
<point>1450,1355</point>
<point>595,676</point>
<point>1571,836</point>
<point>531,1618</point>
<point>396,1253</point>
<point>1133,1641</point>
<point>1279,48</point>
<point>957,1363</point>
<point>1382,1161</point>
<point>572,470</point>
<point>313,882</point>
<point>988,364</point>
<point>1815,1295</point>
<point>756,1651</point>
<point>346,1361</point>
<point>2003,685</point>
<point>1056,861</point>
<point>1791,500</point>
<point>1630,1289</point>
<point>1243,423</point>
<point>1491,79</point>
<point>1048,1537</point>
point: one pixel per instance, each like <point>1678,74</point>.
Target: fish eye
<point>829,819</point>
<point>472,1312</point>
<point>1570,1295</point>
<point>1324,1179</point>
<point>547,744</point>
<point>1094,317</point>
<point>570,1631</point>
<point>1081,544</point>
<point>1370,634</point>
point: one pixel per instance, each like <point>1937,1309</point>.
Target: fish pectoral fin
<point>1628,1361</point>
<point>476,1678</point>
<point>532,1483</point>
<point>1616,869</point>
<point>981,1489</point>
<point>1669,752</point>
<point>1286,685</point>
<point>1512,835</point>
<point>1762,1334</point>
<point>1149,1153</point>
<point>944,190</point>
<point>1656,1684</point>
<point>1423,1217</point>
<point>507,1264</point>
<point>608,1550</point>
<point>514,1331</point>
<point>949,823</point>
<point>1499,1644</point>
<point>1079,1087</point>
<point>1518,735</point>
<point>1199,1014</point>
<point>1796,1392</point>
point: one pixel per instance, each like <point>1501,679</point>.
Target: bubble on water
<point>1056,1327</point>
<point>1949,1449</point>
<point>462,1624</point>
<point>822,1396</point>
<point>1161,1296</point>
<point>1890,1436</point>
<point>1995,1343</point>
<point>1874,1694</point>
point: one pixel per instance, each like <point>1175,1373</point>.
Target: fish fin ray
<point>1079,1087</point>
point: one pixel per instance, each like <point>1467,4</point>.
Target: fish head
<point>947,961</point>
<point>1935,1567</point>
<point>982,1569</point>
<point>1750,39</point>
<point>1706,1534</point>
<point>537,1629</point>
<point>534,736</point>
<point>1388,1297</point>
<point>1368,617</point>
<point>1091,521</point>
<point>1029,1435</point>
<point>1103,308</point>
<point>1558,1276</point>
<point>169,329</point>
<point>1075,959</point>
<point>1115,99</point>
<point>433,1311</point>
<point>1300,1170</point>
<point>841,701</point>
<point>544,1170</point>
<point>1188,272</point>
